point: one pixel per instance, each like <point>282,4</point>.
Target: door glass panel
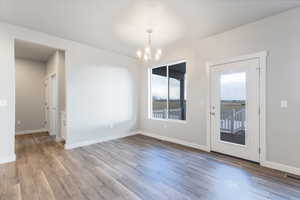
<point>233,108</point>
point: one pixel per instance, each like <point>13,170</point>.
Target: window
<point>168,92</point>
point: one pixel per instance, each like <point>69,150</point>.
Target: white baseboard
<point>31,131</point>
<point>281,167</point>
<point>59,139</point>
<point>177,141</point>
<point>8,159</point>
<point>104,139</point>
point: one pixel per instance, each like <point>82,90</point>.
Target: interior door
<point>235,109</point>
<point>53,115</point>
<point>46,105</point>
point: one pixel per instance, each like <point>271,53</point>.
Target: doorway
<point>235,119</point>
<point>40,89</point>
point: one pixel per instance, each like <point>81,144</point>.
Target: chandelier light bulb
<point>147,49</point>
<point>139,54</point>
<point>146,58</point>
<point>159,51</point>
<point>157,56</point>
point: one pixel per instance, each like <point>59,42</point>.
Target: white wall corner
<point>103,139</point>
<point>8,159</point>
<point>281,167</point>
<point>177,141</point>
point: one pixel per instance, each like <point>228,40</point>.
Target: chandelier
<point>147,54</point>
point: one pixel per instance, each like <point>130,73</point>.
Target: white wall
<point>103,89</point>
<point>30,94</point>
<point>7,93</point>
<point>61,80</point>
<point>99,86</point>
<point>280,36</point>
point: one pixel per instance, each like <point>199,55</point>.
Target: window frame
<point>150,110</point>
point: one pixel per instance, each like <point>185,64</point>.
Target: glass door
<point>234,109</point>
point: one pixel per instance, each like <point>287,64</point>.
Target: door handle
<point>212,113</point>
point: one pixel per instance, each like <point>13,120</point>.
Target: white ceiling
<point>120,25</point>
<point>32,51</point>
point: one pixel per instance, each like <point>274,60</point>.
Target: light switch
<point>3,102</point>
<point>284,104</point>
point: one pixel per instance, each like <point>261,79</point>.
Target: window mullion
<point>168,91</point>
<point>150,100</point>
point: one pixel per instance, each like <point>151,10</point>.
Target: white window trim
<point>150,113</point>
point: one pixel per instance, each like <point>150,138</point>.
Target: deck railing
<point>233,121</point>
<point>162,114</point>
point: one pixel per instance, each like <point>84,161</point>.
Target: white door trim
<point>56,116</point>
<point>262,56</point>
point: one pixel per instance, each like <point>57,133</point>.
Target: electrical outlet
<point>18,122</point>
<point>284,104</point>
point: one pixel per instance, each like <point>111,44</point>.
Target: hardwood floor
<point>136,167</point>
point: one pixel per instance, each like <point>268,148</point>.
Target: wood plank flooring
<point>136,167</point>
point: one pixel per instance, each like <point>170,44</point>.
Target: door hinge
<point>259,110</point>
<point>259,150</point>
